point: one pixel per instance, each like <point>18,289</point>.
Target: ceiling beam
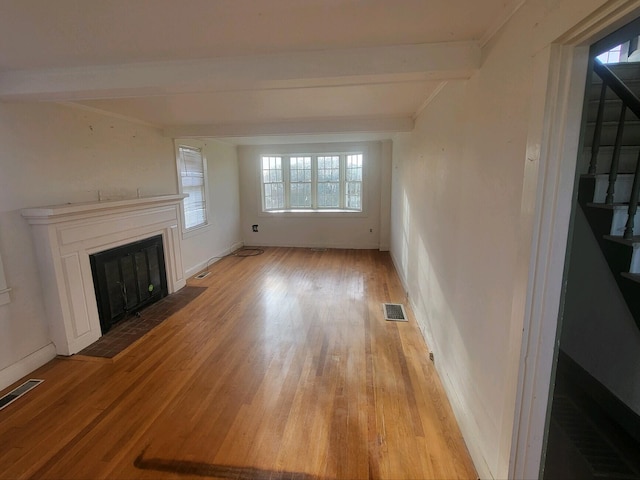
<point>433,61</point>
<point>294,127</point>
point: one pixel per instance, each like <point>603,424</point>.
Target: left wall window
<point>192,173</point>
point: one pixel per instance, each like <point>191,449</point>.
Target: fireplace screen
<point>128,278</point>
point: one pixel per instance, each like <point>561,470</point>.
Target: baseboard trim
<point>339,246</point>
<point>466,423</point>
<point>615,408</point>
<point>26,365</point>
<point>189,272</point>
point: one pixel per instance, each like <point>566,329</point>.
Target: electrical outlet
<point>254,228</point>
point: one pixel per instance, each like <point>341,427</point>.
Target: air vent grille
<point>17,392</point>
<point>394,312</point>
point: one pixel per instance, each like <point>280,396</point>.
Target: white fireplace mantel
<point>65,236</point>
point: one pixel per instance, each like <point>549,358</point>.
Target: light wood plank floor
<point>284,368</point>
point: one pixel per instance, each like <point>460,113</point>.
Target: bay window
<point>312,182</point>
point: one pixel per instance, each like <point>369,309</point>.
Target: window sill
<point>193,231</point>
<point>312,213</point>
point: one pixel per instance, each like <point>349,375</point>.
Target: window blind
<point>192,180</point>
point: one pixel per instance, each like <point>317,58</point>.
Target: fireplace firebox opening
<point>128,278</point>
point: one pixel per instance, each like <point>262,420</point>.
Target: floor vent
<point>17,392</point>
<point>202,275</point>
<point>394,312</point>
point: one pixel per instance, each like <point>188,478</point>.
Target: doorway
<point>593,430</point>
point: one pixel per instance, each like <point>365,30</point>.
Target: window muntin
<point>354,182</point>
<point>300,182</point>
<point>273,183</point>
<point>312,182</point>
<point>611,56</point>
<point>193,183</point>
<point>329,181</point>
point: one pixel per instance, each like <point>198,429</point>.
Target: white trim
<point>354,246</point>
<point>4,296</point>
<point>285,168</point>
<point>197,145</point>
<point>428,100</point>
<point>500,20</point>
<point>460,410</point>
<point>202,265</point>
<point>552,149</point>
<point>61,213</point>
<point>302,126</point>
<point>312,214</point>
<point>4,289</point>
<point>300,69</point>
<point>386,172</point>
<point>107,113</point>
<point>66,235</point>
<point>26,365</point>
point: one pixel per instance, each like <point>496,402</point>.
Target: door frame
<point>553,145</point>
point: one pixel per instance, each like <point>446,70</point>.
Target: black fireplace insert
<point>127,278</point>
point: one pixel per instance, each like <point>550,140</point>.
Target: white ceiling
<point>239,68</point>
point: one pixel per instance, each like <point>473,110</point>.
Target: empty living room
<point>288,240</point>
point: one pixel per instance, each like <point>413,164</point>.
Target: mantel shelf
<point>66,235</point>
<point>54,213</point>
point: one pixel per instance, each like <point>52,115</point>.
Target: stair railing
<point>629,102</point>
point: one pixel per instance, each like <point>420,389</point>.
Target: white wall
<point>52,154</point>
<point>332,230</point>
<point>222,234</point>
<point>4,290</point>
<point>456,217</point>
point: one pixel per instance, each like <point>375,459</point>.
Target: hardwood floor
<point>283,368</point>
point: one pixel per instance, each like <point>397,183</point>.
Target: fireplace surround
<point>66,235</point>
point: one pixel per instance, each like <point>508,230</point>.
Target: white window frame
<point>286,175</point>
<point>194,145</point>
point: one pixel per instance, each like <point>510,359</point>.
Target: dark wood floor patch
<point>201,469</point>
<point>127,331</point>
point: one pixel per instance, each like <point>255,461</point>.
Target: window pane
<point>300,195</point>
<point>328,181</point>
<point>328,195</point>
<point>192,183</point>
<point>300,182</point>
<point>612,56</point>
<point>322,182</point>
<point>272,180</point>
<point>354,168</point>
<point>353,190</point>
<point>329,169</point>
<point>274,196</point>
<point>354,195</point>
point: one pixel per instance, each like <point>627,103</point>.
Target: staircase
<point>608,194</point>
